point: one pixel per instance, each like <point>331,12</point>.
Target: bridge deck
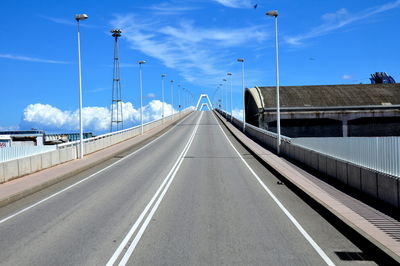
<point>193,196</point>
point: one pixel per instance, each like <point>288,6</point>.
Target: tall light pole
<point>241,60</point>
<point>230,81</point>
<point>172,96</point>
<point>141,93</point>
<point>78,18</point>
<point>163,100</point>
<point>179,98</point>
<point>226,95</point>
<point>274,13</point>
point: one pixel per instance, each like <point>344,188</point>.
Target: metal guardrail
<point>13,153</point>
<point>378,153</point>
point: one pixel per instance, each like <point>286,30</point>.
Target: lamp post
<point>226,96</point>
<point>179,98</point>
<point>162,88</point>
<point>172,96</point>
<point>78,18</point>
<point>274,13</point>
<point>230,83</point>
<point>241,60</point>
<point>141,93</point>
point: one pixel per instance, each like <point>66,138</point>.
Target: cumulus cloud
<point>96,119</point>
<point>238,113</point>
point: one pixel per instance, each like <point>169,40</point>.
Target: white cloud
<point>340,19</point>
<point>347,77</point>
<point>238,113</point>
<point>235,3</point>
<point>31,59</point>
<point>168,9</point>
<point>97,119</point>
<point>195,52</point>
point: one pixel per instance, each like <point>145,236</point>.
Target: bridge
<point>194,189</point>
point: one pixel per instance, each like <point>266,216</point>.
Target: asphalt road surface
<point>193,196</point>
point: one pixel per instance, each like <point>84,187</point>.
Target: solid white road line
<point>87,178</point>
<point>168,180</point>
<point>327,260</point>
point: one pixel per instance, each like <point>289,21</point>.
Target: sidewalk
<point>380,229</point>
<point>21,187</point>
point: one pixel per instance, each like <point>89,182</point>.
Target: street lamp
<point>226,96</point>
<point>141,93</point>
<point>179,98</point>
<point>78,18</point>
<point>172,96</point>
<point>274,13</point>
<point>230,81</point>
<point>241,60</point>
<point>162,88</point>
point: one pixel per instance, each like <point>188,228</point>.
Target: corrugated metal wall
<point>378,153</point>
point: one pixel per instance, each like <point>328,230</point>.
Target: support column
<point>345,130</point>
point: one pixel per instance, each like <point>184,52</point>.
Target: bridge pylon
<point>200,98</point>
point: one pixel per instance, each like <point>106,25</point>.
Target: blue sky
<point>194,42</point>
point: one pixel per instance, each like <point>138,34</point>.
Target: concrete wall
<point>372,183</point>
<point>16,168</point>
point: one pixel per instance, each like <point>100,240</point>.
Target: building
<point>23,137</point>
<point>327,110</point>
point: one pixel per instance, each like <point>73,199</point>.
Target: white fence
<point>12,153</point>
<point>378,153</point>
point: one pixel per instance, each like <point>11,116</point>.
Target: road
<point>189,197</point>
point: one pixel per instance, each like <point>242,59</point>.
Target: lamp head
<point>142,62</point>
<point>116,32</point>
<point>81,17</point>
<point>272,13</point>
<point>240,60</point>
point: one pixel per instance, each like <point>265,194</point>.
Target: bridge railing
<point>61,153</point>
<point>370,165</point>
<point>100,142</point>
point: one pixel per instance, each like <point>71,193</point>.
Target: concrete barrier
<point>24,166</point>
<point>322,163</point>
<point>10,170</point>
<point>331,168</point>
<point>389,189</point>
<point>46,160</point>
<point>314,160</point>
<point>369,182</point>
<point>55,157</point>
<point>2,178</point>
<point>354,176</point>
<point>341,171</point>
<point>36,163</point>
